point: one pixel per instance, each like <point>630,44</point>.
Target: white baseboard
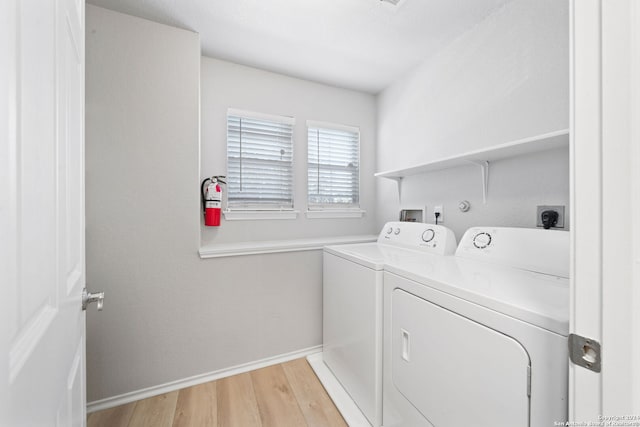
<point>144,393</point>
<point>347,407</point>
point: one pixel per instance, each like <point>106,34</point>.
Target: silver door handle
<point>88,298</point>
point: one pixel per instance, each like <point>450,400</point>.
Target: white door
<point>42,340</point>
<point>605,128</point>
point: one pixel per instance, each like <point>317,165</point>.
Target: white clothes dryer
<point>479,339</point>
<point>352,305</point>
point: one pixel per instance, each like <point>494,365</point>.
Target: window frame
<point>335,210</point>
<point>257,211</point>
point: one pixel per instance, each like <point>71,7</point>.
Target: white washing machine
<point>479,339</point>
<point>352,305</point>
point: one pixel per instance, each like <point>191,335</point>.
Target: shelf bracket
<point>398,181</point>
<point>484,171</point>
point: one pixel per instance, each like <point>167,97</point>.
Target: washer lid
<point>535,298</point>
<point>372,255</point>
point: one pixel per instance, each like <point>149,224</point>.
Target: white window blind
<point>259,161</point>
<point>333,166</point>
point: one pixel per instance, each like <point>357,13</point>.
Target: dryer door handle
<point>406,348</point>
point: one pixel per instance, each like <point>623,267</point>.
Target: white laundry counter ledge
<point>278,246</point>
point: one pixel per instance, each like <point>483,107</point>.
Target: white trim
<point>635,202</point>
<point>252,215</point>
<point>617,287</point>
<point>347,407</point>
<point>585,387</point>
<point>277,246</point>
<point>334,126</point>
<point>261,116</point>
<point>335,213</point>
<point>144,393</point>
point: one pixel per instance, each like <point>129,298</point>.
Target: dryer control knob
<point>397,231</point>
<point>428,235</point>
<point>482,240</point>
<point>389,230</point>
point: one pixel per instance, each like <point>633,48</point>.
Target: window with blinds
<point>259,161</point>
<point>333,166</point>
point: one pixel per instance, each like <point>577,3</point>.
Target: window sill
<point>335,213</point>
<point>278,246</point>
<point>256,215</point>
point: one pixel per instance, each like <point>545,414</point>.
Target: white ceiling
<point>358,44</point>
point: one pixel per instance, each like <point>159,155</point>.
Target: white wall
<point>505,79</point>
<point>168,314</point>
<point>227,85</point>
<point>516,187</point>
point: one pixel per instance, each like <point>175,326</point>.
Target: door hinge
<point>585,352</point>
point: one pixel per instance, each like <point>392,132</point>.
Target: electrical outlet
<point>440,210</point>
<point>559,209</point>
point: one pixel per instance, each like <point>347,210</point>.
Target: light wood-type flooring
<point>284,395</point>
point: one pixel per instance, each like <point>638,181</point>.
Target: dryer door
<point>455,371</point>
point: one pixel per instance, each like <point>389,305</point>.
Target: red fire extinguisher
<point>212,200</point>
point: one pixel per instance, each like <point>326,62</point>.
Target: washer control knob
<point>428,235</point>
<point>389,230</point>
<point>482,240</point>
<point>397,231</point>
